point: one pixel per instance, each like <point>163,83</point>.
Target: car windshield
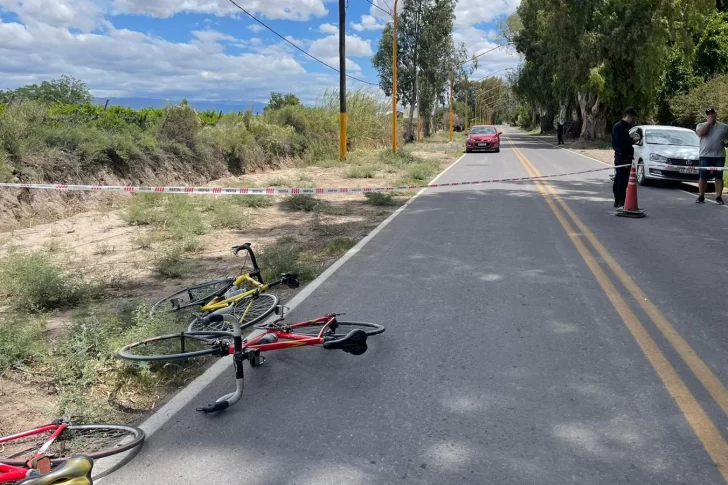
<point>672,137</point>
<point>483,130</point>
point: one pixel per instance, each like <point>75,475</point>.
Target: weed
<point>360,172</point>
<point>282,257</point>
<point>21,340</point>
<point>278,182</point>
<point>32,280</point>
<point>299,202</point>
<point>422,171</point>
<point>379,198</point>
<point>223,214</point>
<point>340,245</point>
<point>253,201</point>
<point>171,263</point>
<point>104,249</point>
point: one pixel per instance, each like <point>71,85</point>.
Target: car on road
<point>661,146</point>
<point>483,137</point>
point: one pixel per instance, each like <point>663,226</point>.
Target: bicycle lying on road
<point>228,295</point>
<point>328,331</point>
<point>62,453</point>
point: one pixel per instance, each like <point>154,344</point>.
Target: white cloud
<point>81,14</point>
<point>368,22</point>
<point>329,47</point>
<point>256,28</point>
<point>478,41</point>
<point>125,63</point>
<point>474,12</point>
<point>301,10</point>
<point>328,29</point>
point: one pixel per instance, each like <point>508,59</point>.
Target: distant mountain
<point>200,105</point>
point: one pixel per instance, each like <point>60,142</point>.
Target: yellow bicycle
<point>245,296</point>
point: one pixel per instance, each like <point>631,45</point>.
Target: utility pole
<point>342,80</point>
<point>394,77</point>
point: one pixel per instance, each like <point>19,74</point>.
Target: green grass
<point>361,172</point>
<point>34,282</point>
<point>300,202</point>
<point>21,340</point>
<point>224,213</point>
<point>340,245</point>
<point>282,257</point>
<point>379,199</point>
<point>172,263</point>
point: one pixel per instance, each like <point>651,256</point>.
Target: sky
<point>211,50</point>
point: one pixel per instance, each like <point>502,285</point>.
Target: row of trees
<point>583,62</point>
<point>427,58</point>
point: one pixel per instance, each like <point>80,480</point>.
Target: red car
<point>483,137</point>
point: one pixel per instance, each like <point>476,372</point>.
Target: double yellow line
<point>701,424</point>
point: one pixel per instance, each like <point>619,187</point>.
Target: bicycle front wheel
<point>312,329</point>
<point>117,444</point>
<point>191,296</point>
<point>248,311</point>
<point>177,346</point>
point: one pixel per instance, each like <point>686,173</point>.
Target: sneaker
<point>701,200</point>
<point>719,200</point>
<point>616,204</point>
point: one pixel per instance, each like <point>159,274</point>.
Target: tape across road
<point>277,190</point>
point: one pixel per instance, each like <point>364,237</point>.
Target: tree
<point>279,100</point>
<point>66,90</point>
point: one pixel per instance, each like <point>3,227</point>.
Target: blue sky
<point>209,49</point>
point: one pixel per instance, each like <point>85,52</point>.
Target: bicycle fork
<point>239,356</point>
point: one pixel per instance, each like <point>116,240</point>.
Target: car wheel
<point>497,150</point>
<point>641,179</point>
<point>468,150</point>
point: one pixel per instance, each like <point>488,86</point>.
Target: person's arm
<point>703,128</point>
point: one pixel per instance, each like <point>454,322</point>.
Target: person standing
<point>623,155</point>
<point>712,135</point>
<point>560,132</point>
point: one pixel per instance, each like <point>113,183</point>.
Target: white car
<point>660,146</point>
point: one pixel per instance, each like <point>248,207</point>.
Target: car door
<point>638,147</point>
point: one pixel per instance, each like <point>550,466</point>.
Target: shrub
<point>689,108</point>
<point>305,203</point>
<point>379,198</point>
<point>340,245</point>
<point>180,125</point>
<point>33,281</point>
<point>282,257</point>
<point>359,172</point>
<point>20,340</point>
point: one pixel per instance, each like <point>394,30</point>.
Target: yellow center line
<point>701,370</point>
<point>698,420</point>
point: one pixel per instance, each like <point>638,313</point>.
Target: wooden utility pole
<point>342,80</point>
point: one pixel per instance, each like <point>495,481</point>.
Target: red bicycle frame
<point>291,339</point>
<point>10,473</point>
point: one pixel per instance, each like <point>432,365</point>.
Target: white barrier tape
<point>692,168</point>
<point>276,190</point>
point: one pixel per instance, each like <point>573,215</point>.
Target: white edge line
<point>190,392</point>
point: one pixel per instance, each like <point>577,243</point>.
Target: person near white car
<point>712,135</point>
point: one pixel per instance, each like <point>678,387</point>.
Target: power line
<point>389,12</point>
<point>298,48</point>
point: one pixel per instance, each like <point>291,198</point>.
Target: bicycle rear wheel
<point>260,309</point>
<point>312,329</point>
<point>177,346</point>
<point>110,446</point>
<point>191,296</point>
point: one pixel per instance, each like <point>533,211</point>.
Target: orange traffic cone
<point>630,208</point>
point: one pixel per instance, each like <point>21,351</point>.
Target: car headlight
<point>654,157</point>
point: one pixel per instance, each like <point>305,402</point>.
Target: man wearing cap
<point>712,135</point>
<point>623,147</point>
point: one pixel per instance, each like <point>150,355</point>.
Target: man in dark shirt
<point>560,132</point>
<point>622,144</point>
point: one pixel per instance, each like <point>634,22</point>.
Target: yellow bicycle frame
<point>216,304</point>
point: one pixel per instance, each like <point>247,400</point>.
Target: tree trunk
<point>547,120</point>
<point>593,121</point>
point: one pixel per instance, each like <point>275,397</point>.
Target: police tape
<point>280,190</point>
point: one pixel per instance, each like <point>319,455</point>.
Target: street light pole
<point>342,80</point>
<point>394,77</point>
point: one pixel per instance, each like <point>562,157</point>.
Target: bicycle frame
<point>292,340</point>
<point>11,473</point>
<point>224,303</point>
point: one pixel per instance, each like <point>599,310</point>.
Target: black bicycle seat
<point>355,342</point>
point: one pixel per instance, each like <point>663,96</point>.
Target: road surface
<point>532,338</point>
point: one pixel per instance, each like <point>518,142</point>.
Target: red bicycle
<point>62,453</point>
<point>328,331</point>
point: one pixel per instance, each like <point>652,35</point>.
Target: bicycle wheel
<point>176,346</point>
<point>97,441</point>
<point>261,308</point>
<point>191,296</point>
<point>342,329</point>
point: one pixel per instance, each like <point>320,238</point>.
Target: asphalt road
<point>515,351</point>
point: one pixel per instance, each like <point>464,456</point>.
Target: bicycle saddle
<point>75,471</point>
<point>355,342</point>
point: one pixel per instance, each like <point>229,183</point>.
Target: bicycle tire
<point>262,308</point>
<point>109,443</point>
<point>195,295</point>
<point>188,343</point>
<point>342,329</point>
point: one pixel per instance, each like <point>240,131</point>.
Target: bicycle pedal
<point>255,359</point>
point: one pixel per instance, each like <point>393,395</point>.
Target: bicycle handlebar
<point>256,270</point>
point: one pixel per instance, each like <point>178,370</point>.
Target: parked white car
<point>666,145</point>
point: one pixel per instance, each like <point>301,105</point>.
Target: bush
<point>340,245</point>
<point>305,203</point>
<point>33,281</point>
<point>361,173</point>
<point>282,257</point>
<point>379,198</point>
<point>180,125</point>
<point>21,340</point>
<point>6,168</point>
<point>689,108</point>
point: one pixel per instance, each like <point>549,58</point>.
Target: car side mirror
<point>500,132</point>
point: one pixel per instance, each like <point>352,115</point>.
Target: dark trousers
<point>621,180</point>
<point>561,138</point>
